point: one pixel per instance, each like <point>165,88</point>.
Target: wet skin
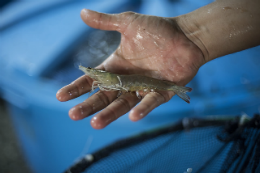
<point>151,46</point>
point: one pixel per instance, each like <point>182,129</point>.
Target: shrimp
<point>107,81</point>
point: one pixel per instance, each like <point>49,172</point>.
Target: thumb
<point>101,20</point>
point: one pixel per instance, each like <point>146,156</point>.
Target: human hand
<point>151,46</point>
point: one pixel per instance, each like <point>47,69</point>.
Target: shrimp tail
<point>181,92</point>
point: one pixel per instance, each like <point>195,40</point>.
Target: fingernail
<point>131,112</point>
<point>93,120</point>
<point>101,121</point>
<point>72,113</point>
<point>86,11</point>
<point>57,95</point>
<point>73,117</point>
<point>132,116</point>
<point>135,116</point>
<point>95,123</point>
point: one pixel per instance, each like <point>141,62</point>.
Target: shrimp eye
<point>88,67</point>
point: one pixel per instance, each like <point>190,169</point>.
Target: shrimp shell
<point>133,83</point>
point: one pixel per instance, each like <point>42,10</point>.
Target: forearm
<point>223,27</point>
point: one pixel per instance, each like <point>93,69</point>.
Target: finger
<point>80,86</point>
<point>149,102</point>
<point>104,21</point>
<point>93,104</point>
<point>119,107</point>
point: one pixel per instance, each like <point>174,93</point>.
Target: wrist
<point>223,27</point>
<point>193,31</point>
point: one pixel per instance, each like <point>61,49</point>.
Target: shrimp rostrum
<point>107,81</point>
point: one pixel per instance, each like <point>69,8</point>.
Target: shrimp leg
<point>120,84</point>
<point>138,94</point>
<point>94,86</point>
<point>119,81</point>
<point>119,93</point>
<point>103,89</point>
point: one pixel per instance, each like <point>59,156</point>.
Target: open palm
<point>151,46</point>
